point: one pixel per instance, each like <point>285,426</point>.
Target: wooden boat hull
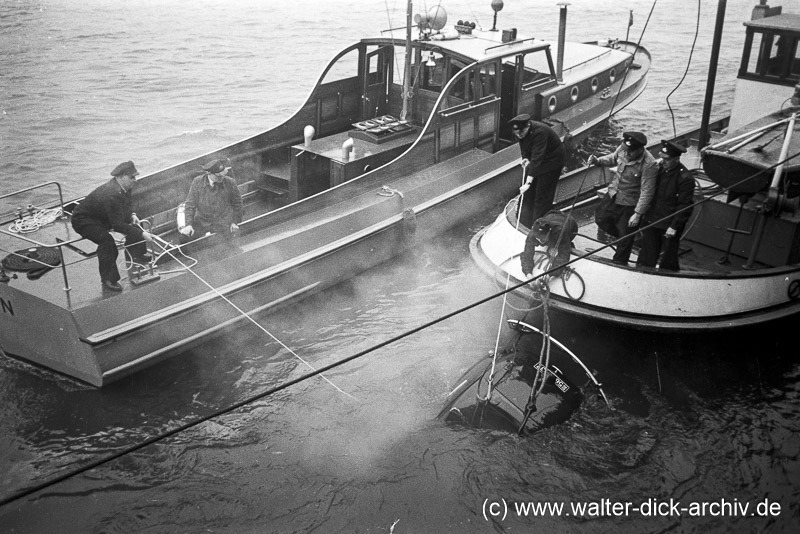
<point>315,216</point>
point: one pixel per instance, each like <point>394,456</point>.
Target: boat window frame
<point>541,79</point>
<point>785,72</point>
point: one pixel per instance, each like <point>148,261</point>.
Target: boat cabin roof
<point>477,46</point>
<point>784,23</point>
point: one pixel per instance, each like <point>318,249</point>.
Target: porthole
<point>612,75</point>
<point>552,104</point>
<point>573,94</point>
<point>595,84</point>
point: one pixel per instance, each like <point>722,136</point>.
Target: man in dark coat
<point>213,204</point>
<point>543,157</point>
<point>553,230</point>
<point>629,194</point>
<point>674,192</point>
<point>109,208</point>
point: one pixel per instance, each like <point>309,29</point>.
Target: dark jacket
<point>555,230</point>
<point>543,148</point>
<point>674,191</point>
<point>109,206</point>
<point>215,207</point>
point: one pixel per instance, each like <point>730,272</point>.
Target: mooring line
<point>280,387</point>
<point>164,245</point>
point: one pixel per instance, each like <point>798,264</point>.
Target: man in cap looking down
<point>673,197</point>
<point>109,208</point>
<point>630,192</point>
<point>543,157</point>
<point>213,204</point>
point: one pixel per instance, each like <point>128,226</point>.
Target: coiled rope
<point>34,220</point>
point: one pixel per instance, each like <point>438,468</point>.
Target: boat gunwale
<point>638,320</point>
<point>761,272</point>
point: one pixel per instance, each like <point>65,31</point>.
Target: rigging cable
<point>625,77</point>
<point>505,299</point>
<point>165,244</point>
<point>686,71</point>
<point>222,411</point>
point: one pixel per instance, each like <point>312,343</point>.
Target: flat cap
<point>125,168</point>
<point>634,139</point>
<point>215,166</point>
<point>671,148</point>
<point>520,120</point>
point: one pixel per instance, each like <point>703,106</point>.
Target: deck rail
<point>59,243</point>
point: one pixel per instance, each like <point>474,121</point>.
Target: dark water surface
<point>696,419</point>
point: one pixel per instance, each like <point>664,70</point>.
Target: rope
<point>271,391</point>
<point>387,191</point>
<point>246,315</point>
<point>34,220</point>
<point>503,309</point>
<point>686,71</point>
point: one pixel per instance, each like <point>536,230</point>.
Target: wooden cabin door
<point>377,78</point>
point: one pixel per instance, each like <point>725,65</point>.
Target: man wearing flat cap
<point>543,157</point>
<point>630,193</point>
<point>109,208</point>
<point>213,204</point>
<point>669,212</point>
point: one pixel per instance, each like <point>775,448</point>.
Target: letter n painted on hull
<point>6,306</point>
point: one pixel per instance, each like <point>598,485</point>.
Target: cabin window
<point>595,84</point>
<point>346,67</point>
<point>612,75</point>
<point>487,80</point>
<point>552,104</point>
<point>794,66</point>
<point>574,93</point>
<point>374,67</point>
<point>771,57</point>
<point>536,69</point>
<point>462,87</point>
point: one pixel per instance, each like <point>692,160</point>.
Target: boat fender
<point>308,135</point>
<point>180,215</point>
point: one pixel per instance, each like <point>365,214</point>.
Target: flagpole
<point>630,23</point>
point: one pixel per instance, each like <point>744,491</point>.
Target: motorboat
<point>404,135</point>
<point>740,251</point>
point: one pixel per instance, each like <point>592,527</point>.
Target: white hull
<point>645,299</point>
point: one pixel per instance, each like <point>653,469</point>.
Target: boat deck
<point>83,288</point>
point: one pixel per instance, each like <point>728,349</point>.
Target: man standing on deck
<point>630,193</point>
<point>673,197</point>
<point>543,157</point>
<point>214,204</point>
<point>109,208</point>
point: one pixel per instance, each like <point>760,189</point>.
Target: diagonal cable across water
<point>166,248</point>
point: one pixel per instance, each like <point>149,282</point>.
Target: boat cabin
<point>769,68</point>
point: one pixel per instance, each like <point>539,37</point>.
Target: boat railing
<point>59,244</point>
<point>469,106</point>
<point>596,58</point>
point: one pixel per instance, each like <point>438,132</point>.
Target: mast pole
<point>712,75</point>
<point>407,70</point>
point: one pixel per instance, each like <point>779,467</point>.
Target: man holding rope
<point>109,208</point>
<point>543,157</point>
